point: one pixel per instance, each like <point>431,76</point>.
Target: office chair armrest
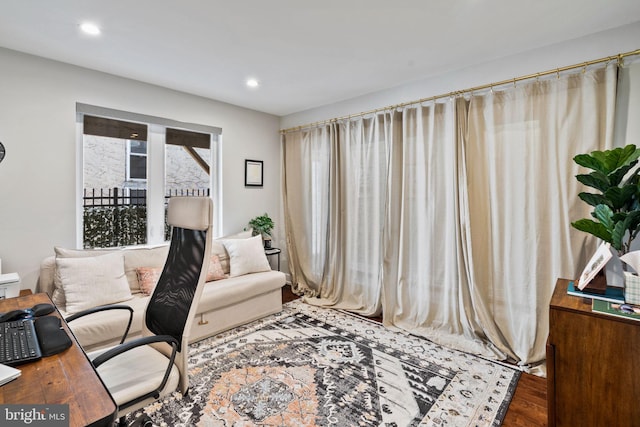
<point>138,342</point>
<point>105,308</point>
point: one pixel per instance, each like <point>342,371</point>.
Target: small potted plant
<point>263,225</point>
<point>616,205</point>
<point>616,213</point>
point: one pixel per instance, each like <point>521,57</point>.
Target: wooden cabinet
<point>593,365</point>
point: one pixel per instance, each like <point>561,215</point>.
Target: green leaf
<point>596,180</point>
<point>633,220</point>
<point>617,235</point>
<point>604,214</point>
<point>620,156</point>
<point>593,227</point>
<point>593,199</point>
<point>615,178</point>
<point>610,160</point>
<point>621,196</point>
<point>590,161</point>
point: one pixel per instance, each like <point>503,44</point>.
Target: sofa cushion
<point>92,281</point>
<point>246,256</point>
<point>236,289</point>
<point>106,327</point>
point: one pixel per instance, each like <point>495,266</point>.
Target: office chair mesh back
<point>170,303</point>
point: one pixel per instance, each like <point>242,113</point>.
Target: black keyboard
<point>19,342</point>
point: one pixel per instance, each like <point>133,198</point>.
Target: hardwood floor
<point>528,407</point>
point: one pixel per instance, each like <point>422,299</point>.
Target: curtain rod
<point>619,58</point>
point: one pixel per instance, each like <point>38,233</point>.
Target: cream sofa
<point>224,303</point>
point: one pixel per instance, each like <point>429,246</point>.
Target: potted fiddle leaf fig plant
<point>616,204</point>
<point>263,225</point>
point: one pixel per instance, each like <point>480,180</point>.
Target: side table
<point>273,251</point>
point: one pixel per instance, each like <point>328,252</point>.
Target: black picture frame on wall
<point>253,173</point>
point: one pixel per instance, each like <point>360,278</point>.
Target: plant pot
<point>614,271</point>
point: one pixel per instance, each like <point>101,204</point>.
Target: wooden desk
<point>593,368</point>
<point>64,378</point>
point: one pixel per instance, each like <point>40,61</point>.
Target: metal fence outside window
<point>115,217</point>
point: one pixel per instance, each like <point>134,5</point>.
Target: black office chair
<point>141,371</point>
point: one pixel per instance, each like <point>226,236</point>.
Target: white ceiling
<point>305,54</point>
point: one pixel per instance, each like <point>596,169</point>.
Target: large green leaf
<point>621,196</point>
<point>593,227</point>
<point>616,177</point>
<point>604,214</point>
<point>596,180</point>
<point>610,160</point>
<point>620,156</point>
<point>632,222</point>
<point>593,199</point>
<point>617,235</point>
<point>591,162</point>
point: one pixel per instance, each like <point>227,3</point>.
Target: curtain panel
<point>452,218</point>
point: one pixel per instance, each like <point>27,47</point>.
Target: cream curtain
<point>453,218</point>
<point>335,187</point>
<point>523,196</point>
<point>426,285</point>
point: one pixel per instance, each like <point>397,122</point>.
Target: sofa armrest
<point>46,277</point>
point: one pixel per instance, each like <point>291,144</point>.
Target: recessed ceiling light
<point>252,83</point>
<point>90,28</point>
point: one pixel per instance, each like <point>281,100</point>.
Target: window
<point>136,159</point>
<point>131,165</point>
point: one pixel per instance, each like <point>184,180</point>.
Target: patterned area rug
<point>309,366</point>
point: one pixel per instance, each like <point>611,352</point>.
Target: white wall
<point>595,46</point>
<point>37,126</point>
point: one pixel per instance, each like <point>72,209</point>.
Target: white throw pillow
<point>217,248</point>
<point>58,292</point>
<point>92,281</point>
<point>246,256</point>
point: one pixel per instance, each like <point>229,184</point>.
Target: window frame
<point>131,153</point>
<point>155,166</point>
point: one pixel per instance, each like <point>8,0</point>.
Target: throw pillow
<point>217,248</point>
<point>142,257</point>
<point>148,278</point>
<point>215,271</point>
<point>246,256</point>
<point>92,281</point>
<point>58,293</point>
<point>81,253</point>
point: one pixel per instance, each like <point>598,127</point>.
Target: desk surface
<point>64,378</point>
